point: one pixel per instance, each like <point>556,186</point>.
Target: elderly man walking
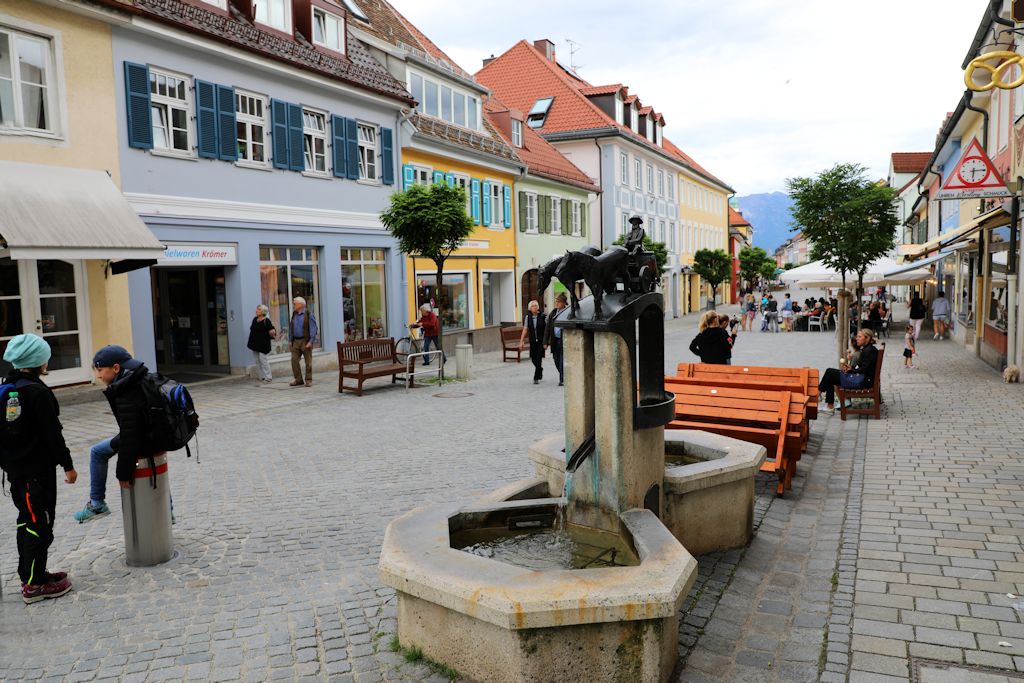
<point>303,332</point>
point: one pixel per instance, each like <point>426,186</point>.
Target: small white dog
<point>1011,374</point>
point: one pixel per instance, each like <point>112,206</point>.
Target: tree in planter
<point>850,221</point>
<point>752,259</point>
<point>713,266</point>
<point>430,222</point>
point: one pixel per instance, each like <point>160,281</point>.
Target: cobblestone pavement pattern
<point>898,538</point>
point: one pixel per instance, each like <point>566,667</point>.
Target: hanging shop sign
<point>975,177</point>
<point>199,254</point>
<point>999,65</point>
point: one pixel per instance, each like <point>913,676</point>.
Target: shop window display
<point>364,293</point>
<point>453,301</point>
<point>285,273</point>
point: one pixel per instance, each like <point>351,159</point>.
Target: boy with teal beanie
<point>34,446</point>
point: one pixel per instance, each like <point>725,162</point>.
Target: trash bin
<point>463,360</point>
<point>147,515</point>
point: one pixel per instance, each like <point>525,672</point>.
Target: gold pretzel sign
<point>998,72</point>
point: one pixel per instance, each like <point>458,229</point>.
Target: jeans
<point>99,457</point>
<point>556,353</point>
<point>427,341</point>
<point>773,321</point>
<point>262,365</point>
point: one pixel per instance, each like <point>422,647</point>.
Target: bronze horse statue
<point>601,273</point>
<point>546,273</point>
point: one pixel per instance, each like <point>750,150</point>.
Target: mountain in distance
<point>769,213</point>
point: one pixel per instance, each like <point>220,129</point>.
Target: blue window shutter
<point>438,177</point>
<point>338,146</point>
<point>279,131</point>
<point>206,119</point>
<point>474,202</point>
<point>450,179</point>
<point>487,202</point>
<point>140,116</point>
<point>408,176</point>
<point>227,136</point>
<point>387,156</point>
<point>508,206</point>
<point>352,136</point>
<point>296,149</point>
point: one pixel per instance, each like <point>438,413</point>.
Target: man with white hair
<point>303,332</point>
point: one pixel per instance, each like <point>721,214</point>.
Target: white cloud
<point>756,90</point>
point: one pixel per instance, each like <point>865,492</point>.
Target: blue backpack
<point>171,415</point>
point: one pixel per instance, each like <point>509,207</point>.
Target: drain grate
<point>453,394</point>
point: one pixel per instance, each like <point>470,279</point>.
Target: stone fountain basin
<point>708,486</point>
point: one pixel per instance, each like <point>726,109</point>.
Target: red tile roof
<point>910,162</point>
<point>521,76</point>
<point>540,156</point>
<point>736,218</point>
<point>601,89</point>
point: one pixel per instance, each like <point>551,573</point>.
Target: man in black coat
<point>33,446</point>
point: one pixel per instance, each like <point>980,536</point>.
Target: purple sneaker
<point>36,592</point>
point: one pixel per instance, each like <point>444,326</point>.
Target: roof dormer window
<point>517,132</point>
<point>539,114</point>
<point>275,14</point>
<point>618,109</point>
<point>650,127</point>
<point>634,122</point>
<point>328,30</point>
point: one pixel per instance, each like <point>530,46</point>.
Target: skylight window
<point>539,114</point>
<point>354,10</point>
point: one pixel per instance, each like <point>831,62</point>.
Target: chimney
<point>488,60</point>
<point>546,48</point>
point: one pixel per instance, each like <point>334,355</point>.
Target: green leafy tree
<point>430,222</point>
<point>752,260</point>
<point>789,266</point>
<point>768,271</point>
<point>657,248</point>
<point>849,220</point>
<point>713,266</point>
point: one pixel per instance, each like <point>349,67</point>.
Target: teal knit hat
<point>27,351</point>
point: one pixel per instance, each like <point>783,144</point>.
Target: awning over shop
<point>989,219</point>
<point>50,212</point>
<point>910,267</point>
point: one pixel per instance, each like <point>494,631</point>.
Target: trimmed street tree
<point>430,222</point>
<point>849,220</point>
<point>752,260</point>
<point>713,266</point>
<point>768,269</point>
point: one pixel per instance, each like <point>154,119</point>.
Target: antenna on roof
<point>574,47</point>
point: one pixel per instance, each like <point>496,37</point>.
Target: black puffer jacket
<point>128,404</point>
<point>38,441</point>
<point>713,345</point>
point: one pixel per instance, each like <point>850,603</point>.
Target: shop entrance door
<point>190,317</point>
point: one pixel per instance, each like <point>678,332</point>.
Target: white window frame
<point>365,149</point>
<point>577,218</point>
<point>634,118</point>
<point>624,168</point>
<point>222,4</point>
<point>315,134</point>
<point>672,235</point>
<point>471,101</point>
<point>329,17</point>
<point>251,120</point>
<point>638,172</point>
<point>625,227</point>
<point>556,215</point>
<point>56,107</point>
<point>423,175</point>
<point>287,6</point>
<point>661,183</point>
<point>531,213</point>
<point>650,179</point>
<point>497,205</point>
<point>671,184</point>
<point>517,133</point>
<point>157,100</point>
<point>465,182</point>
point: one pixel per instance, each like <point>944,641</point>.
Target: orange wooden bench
<point>800,380</point>
<point>771,418</point>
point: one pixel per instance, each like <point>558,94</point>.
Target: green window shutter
<point>544,214</point>
<point>583,219</point>
<point>566,216</point>
<point>522,211</point>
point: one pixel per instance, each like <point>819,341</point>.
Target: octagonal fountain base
<point>493,621</point>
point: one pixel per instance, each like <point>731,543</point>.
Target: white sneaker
<point>935,336</point>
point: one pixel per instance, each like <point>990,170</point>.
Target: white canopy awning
<point>817,274</point>
<point>49,212</point>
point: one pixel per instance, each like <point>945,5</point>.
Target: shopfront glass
<point>996,311</point>
<point>453,299</point>
<point>286,273</point>
<point>364,293</point>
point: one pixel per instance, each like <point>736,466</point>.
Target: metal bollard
<point>463,360</point>
<point>147,515</point>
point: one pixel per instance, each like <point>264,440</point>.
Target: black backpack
<point>170,413</point>
<point>12,457</point>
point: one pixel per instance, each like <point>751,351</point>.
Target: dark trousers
<point>556,353</point>
<point>828,383</point>
<point>537,357</point>
<point>300,352</point>
<point>36,500</point>
<point>427,342</point>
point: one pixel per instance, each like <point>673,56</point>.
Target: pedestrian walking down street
<point>261,331</point>
<point>534,326</point>
<point>787,314</point>
<point>771,314</point>
<point>917,313</point>
<point>303,333</point>
<point>909,348</point>
<point>431,326</point>
<point>940,315</point>
<point>749,313</point>
<point>712,344</point>
<point>553,335</point>
<point>33,448</point>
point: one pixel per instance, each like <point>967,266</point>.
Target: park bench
<point>366,359</point>
<point>799,380</point>
<point>770,418</point>
<point>510,337</point>
<point>873,394</point>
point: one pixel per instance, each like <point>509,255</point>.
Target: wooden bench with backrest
<point>770,418</point>
<point>510,343</point>
<point>800,380</point>
<point>872,393</point>
<point>366,359</point>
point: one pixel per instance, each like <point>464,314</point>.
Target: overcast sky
<point>755,90</point>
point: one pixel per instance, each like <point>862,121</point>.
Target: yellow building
<point>65,226</point>
<point>704,222</point>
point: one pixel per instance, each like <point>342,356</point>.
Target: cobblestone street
<point>900,538</point>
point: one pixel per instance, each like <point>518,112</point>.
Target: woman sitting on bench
<point>852,374</point>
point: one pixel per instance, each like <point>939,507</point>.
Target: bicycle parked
<point>411,343</point>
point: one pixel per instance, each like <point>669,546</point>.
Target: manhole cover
<point>925,671</point>
<point>453,394</point>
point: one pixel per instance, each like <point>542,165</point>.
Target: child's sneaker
<point>89,512</point>
<point>36,592</point>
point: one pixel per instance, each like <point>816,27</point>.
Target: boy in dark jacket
<point>34,445</point>
<point>122,374</point>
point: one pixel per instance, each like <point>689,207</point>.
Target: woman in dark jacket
<point>261,331</point>
<point>712,343</point>
<point>852,374</point>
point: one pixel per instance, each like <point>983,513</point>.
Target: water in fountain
<point>573,547</point>
<point>559,524</point>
